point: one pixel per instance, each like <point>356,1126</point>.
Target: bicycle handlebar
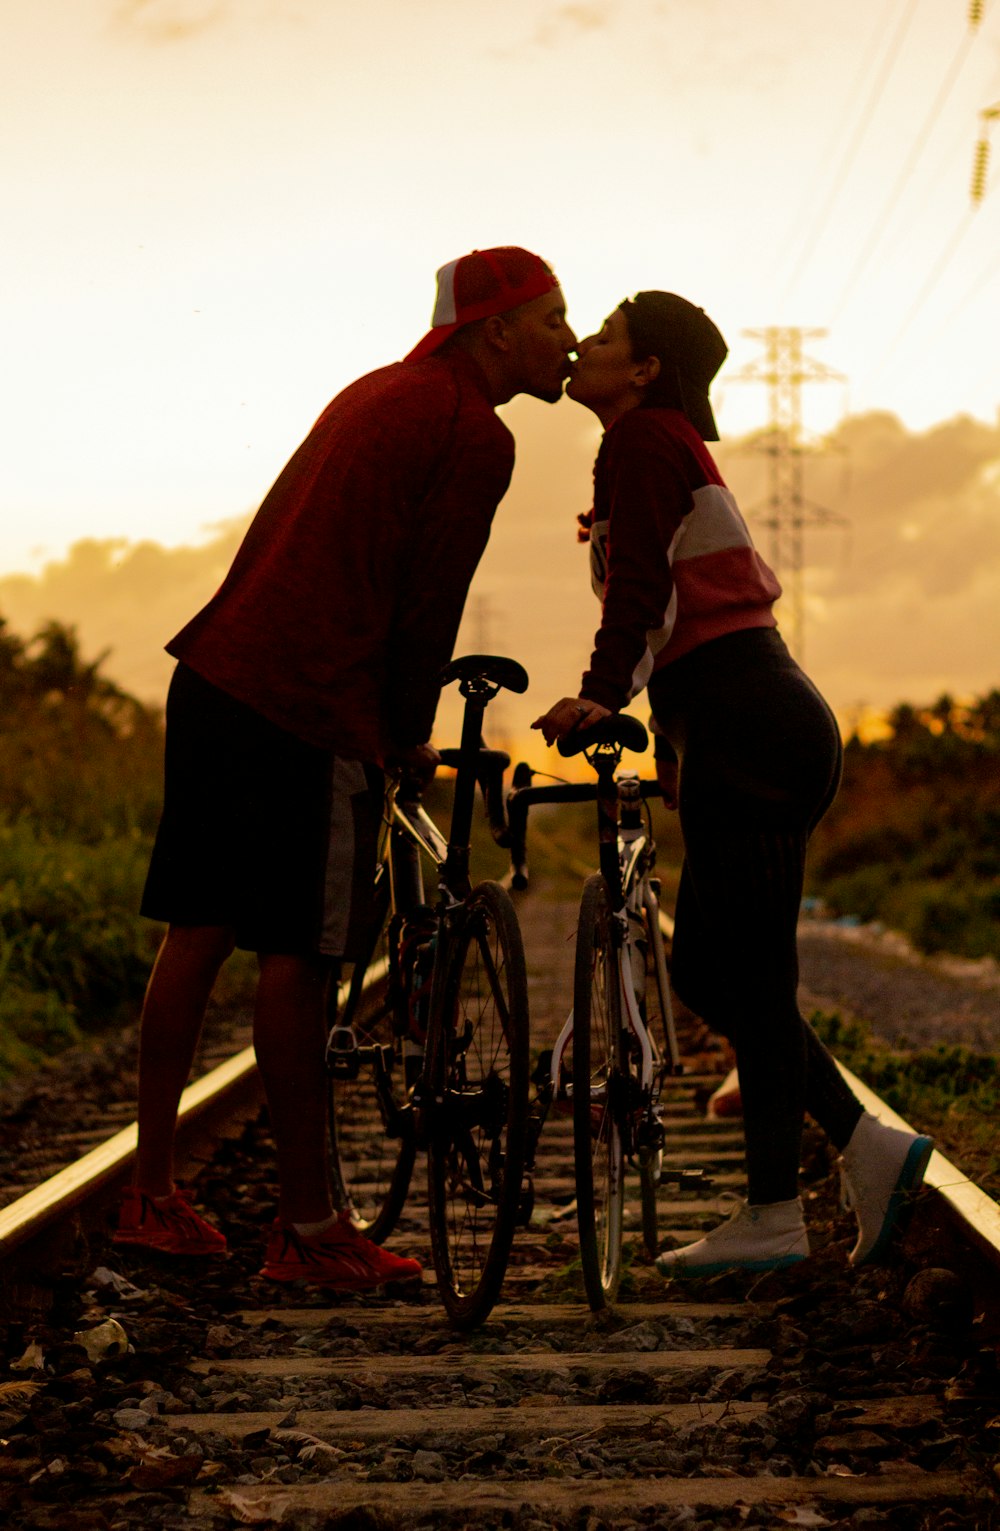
<point>523,795</point>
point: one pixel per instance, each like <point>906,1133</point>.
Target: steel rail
<point>213,1094</point>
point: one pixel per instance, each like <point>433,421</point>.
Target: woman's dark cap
<point>690,350</point>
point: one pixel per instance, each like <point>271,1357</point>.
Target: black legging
<point>760,761</point>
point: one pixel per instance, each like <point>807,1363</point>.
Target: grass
<point>75,954</point>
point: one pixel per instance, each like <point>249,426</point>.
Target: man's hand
<point>572,712</point>
<point>420,761</point>
<point>666,775</point>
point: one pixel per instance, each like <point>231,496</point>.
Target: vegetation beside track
<point>80,790</point>
<point>913,838</point>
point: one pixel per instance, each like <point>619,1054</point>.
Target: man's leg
<point>309,1242</point>
<point>183,975</point>
<point>290,1040</point>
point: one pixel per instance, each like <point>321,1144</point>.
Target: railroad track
<point>813,1396</point>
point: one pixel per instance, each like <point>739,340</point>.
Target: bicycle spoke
<point>371,1133</point>
<point>477,1131</point>
<point>599,1104</point>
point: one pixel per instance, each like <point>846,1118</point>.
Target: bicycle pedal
<point>343,1059</point>
<point>540,1075</point>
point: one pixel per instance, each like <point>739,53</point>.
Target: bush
<point>914,837</point>
<point>80,790</point>
<point>74,952</point>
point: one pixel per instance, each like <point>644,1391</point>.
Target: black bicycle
<point>429,1046</point>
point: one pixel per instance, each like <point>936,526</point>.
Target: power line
<point>988,274</point>
<point>933,276</point>
<point>902,179</point>
<point>851,150</point>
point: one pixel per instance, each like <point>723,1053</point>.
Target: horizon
<point>901,606</point>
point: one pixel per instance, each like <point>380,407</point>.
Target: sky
<point>218,212</point>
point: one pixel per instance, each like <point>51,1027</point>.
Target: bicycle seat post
<point>478,691</point>
<point>605,762</point>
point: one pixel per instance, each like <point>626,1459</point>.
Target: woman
<point>747,751</point>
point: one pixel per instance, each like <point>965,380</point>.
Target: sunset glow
<point>221,211</point>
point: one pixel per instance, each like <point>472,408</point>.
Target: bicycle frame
<point>626,858</point>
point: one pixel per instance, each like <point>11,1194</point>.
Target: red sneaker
<point>168,1224</point>
<point>339,1258</point>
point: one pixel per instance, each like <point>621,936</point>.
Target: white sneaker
<point>761,1238</point>
<point>878,1169</point>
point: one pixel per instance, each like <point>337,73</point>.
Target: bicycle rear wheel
<point>478,1112</point>
<point>600,1088</point>
<point>371,1130</point>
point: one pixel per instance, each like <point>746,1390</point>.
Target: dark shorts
<point>260,832</point>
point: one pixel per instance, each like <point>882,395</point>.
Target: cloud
<point>906,603</point>
<point>129,598</point>
<point>906,607</point>
<point>572,20</point>
<point>169,21</point>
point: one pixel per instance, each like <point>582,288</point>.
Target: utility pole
<point>786,512</point>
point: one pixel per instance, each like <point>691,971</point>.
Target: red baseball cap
<point>482,283</point>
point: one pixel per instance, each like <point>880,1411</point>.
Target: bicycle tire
<point>372,1150</point>
<point>599,1088</point>
<point>477,1117</point>
<point>658,981</point>
<point>659,1017</point>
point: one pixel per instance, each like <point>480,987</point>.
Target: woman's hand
<point>572,712</point>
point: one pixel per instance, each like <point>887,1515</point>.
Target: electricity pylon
<point>786,512</point>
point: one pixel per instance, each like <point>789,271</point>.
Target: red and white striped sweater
<point>671,556</point>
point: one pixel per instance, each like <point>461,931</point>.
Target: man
<point>314,665</point>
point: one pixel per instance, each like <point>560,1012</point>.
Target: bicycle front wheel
<point>478,1111</point>
<point>599,1096</point>
<point>371,1131</point>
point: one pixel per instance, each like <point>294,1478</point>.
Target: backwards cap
<point>482,283</point>
<point>690,348</point>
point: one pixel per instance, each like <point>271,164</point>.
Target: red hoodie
<point>344,600</point>
<point>671,556</point>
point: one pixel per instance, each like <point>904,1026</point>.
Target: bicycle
<point>434,1054</point>
<point>618,1045</point>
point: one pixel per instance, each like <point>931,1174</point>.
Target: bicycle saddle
<point>619,729</point>
<point>491,667</point>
